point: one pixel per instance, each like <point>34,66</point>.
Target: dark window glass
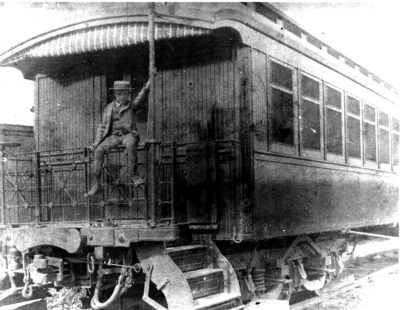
<point>333,98</point>
<point>314,41</point>
<point>334,131</point>
<point>310,125</point>
<point>383,119</point>
<point>292,28</point>
<point>353,137</point>
<point>395,124</point>
<point>370,141</point>
<point>384,149</point>
<point>353,105</point>
<point>309,87</point>
<point>263,10</point>
<point>282,117</point>
<point>281,75</point>
<point>369,113</point>
<point>395,146</point>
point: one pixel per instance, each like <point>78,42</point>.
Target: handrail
<point>165,144</point>
<point>2,183</point>
<point>80,150</point>
<point>38,215</point>
<point>41,179</point>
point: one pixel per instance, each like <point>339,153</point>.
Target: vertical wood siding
<point>259,97</point>
<point>68,110</point>
<point>197,102</point>
<point>245,205</point>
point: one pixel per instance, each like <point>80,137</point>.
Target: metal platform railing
<point>49,186</point>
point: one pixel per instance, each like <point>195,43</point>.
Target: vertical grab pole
<point>38,189</point>
<point>86,155</point>
<point>173,179</point>
<point>3,195</point>
<point>152,73</point>
<point>151,134</point>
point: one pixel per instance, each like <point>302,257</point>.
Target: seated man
<point>118,126</point>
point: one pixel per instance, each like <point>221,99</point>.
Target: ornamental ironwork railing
<point>48,187</point>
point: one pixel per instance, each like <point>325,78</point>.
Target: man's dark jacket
<point>127,114</point>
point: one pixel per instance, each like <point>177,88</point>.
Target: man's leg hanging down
<point>99,154</point>
<point>131,142</point>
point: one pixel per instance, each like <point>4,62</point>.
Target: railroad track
<point>357,273</point>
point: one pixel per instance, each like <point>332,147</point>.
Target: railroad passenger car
<point>259,140</point>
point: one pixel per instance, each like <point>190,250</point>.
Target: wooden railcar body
<point>221,166</point>
<point>20,134</point>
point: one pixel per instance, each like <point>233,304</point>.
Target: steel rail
<point>370,234</point>
<point>20,304</point>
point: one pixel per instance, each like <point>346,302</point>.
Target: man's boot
<point>96,189</point>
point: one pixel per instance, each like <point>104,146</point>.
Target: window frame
<point>367,162</point>
<point>384,166</point>
<point>331,156</point>
<point>350,159</point>
<point>306,152</point>
<point>278,147</point>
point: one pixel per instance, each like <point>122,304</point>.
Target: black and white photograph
<point>199,155</point>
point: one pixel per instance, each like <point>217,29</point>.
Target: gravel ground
<point>380,294</point>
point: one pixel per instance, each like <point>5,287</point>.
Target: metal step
<point>186,248</point>
<point>216,301</point>
<point>201,272</point>
<point>205,282</point>
<point>189,257</point>
<point>209,276</point>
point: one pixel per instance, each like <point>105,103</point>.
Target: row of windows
<point>351,125</point>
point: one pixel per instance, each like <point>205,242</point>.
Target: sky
<point>363,31</point>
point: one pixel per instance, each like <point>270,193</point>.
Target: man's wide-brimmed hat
<point>122,85</point>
